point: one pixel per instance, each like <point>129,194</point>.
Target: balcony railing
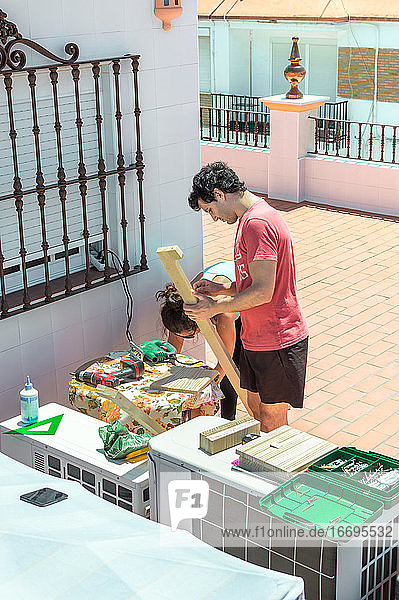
<point>245,120</point>
<point>242,128</point>
<point>356,140</point>
<point>238,102</point>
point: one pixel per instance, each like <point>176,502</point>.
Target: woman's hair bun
<point>171,296</point>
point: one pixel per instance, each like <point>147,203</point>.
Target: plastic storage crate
<point>323,500</point>
<point>372,460</point>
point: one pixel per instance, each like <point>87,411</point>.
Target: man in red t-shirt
<point>274,333</point>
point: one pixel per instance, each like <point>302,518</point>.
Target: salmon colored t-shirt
<point>262,234</point>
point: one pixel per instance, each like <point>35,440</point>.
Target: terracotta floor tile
<point>393,441</point>
<point>320,414</point>
<point>371,440</point>
<point>384,359</point>
<point>393,384</point>
<point>378,396</point>
<point>390,371</point>
<point>356,360</point>
<point>390,426</point>
<point>338,372</point>
<point>354,411</point>
<point>337,387</point>
<point>363,372</point>
<point>347,398</point>
<point>303,425</point>
<point>351,349</point>
<point>370,383</point>
<point>366,422</point>
<point>317,399</point>
<point>321,351</point>
<point>313,385</point>
<point>330,427</point>
<point>387,449</point>
<point>343,439</point>
<point>329,362</point>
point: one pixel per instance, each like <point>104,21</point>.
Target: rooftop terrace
<point>347,271</point>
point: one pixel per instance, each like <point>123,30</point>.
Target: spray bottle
<point>29,403</point>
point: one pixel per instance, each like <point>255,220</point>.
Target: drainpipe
<point>251,75</point>
<point>377,47</point>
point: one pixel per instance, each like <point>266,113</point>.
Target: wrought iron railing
<point>245,120</point>
<point>238,102</point>
<point>64,177</point>
<point>242,128</point>
<point>356,140</point>
<point>334,110</point>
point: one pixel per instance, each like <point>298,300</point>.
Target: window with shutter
<point>64,170</point>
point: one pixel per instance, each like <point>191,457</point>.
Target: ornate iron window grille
<point>66,179</point>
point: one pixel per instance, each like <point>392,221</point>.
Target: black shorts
<point>277,375</point>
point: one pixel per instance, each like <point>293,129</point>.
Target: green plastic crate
<point>288,501</point>
<point>373,459</point>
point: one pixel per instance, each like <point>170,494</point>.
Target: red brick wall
<point>356,73</point>
<point>388,75</point>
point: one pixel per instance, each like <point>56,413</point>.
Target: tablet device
<point>44,497</point>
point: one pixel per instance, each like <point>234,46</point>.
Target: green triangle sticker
<point>54,423</point>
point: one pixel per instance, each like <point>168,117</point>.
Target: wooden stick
<point>136,413</point>
<point>170,255</point>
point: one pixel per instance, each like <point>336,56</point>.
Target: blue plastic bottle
<point>29,403</point>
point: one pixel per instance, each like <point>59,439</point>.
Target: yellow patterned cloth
<point>167,408</point>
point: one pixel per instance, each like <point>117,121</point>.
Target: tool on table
<point>170,255</point>
<point>130,370</point>
<point>157,351</point>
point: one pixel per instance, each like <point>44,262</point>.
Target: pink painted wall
<point>250,164</point>
<point>359,185</point>
<point>367,186</point>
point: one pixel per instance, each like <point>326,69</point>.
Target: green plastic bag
<point>119,442</point>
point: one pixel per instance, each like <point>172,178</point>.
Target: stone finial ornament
<point>294,73</point>
<point>166,11</point>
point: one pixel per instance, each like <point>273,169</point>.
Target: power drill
<point>157,351</point>
<point>131,369</point>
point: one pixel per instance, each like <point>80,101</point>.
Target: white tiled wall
<point>49,342</point>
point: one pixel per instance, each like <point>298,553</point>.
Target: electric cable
<point>129,298</point>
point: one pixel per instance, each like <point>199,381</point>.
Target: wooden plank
<point>185,379</point>
<point>285,450</point>
<point>136,413</point>
<point>170,255</point>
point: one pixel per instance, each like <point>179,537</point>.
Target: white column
<point>291,133</point>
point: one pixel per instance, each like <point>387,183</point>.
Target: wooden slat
<point>170,255</point>
<point>185,379</point>
<point>136,413</point>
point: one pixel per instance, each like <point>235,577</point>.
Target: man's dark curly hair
<point>214,175</point>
